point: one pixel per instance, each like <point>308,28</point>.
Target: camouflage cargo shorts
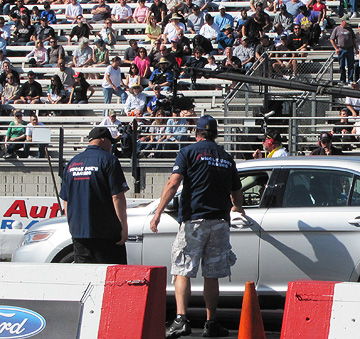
<point>203,240</point>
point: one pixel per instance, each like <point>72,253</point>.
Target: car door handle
<point>240,223</point>
<point>355,222</point>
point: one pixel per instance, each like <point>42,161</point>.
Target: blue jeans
<point>346,56</point>
<point>353,4</point>
<point>108,92</point>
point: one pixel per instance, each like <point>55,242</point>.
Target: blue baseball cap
<point>207,122</point>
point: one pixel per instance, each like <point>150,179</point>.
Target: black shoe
<point>213,328</point>
<point>178,328</point>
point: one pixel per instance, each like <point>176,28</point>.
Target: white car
<point>303,219</point>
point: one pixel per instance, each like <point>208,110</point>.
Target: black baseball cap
<point>99,133</point>
<point>275,135</point>
<point>325,137</point>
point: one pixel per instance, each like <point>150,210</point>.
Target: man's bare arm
<point>119,202</point>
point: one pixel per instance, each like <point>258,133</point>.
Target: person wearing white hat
<point>173,27</point>
<point>135,101</point>
<point>223,18</point>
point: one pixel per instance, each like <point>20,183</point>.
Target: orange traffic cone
<point>251,325</point>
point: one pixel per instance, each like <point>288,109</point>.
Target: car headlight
<point>32,237</point>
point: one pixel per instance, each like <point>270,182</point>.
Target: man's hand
<point>154,223</point>
<point>238,209</point>
<point>124,237</point>
<point>257,154</point>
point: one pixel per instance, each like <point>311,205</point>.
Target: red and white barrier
<point>115,301</point>
<point>322,309</point>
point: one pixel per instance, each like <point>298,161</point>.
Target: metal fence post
<point>135,168</point>
<point>61,151</point>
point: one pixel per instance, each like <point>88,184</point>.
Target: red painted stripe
<point>308,309</point>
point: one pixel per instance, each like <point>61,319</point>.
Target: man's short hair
<point>132,41</point>
<point>205,134</point>
<point>31,74</point>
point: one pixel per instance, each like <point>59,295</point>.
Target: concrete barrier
<point>82,301</point>
<point>321,309</point>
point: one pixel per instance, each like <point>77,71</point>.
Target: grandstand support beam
<point>295,85</point>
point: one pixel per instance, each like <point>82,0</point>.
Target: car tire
<point>68,258</point>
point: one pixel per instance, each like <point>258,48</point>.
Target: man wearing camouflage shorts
<point>211,187</point>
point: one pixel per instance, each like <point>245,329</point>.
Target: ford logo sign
<point>17,322</point>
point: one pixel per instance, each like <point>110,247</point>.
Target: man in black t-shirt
<point>23,31</point>
<point>211,188</point>
<point>81,30</point>
<point>253,29</point>
<point>159,10</point>
<point>44,32</point>
<point>30,91</point>
<point>325,146</point>
<point>298,41</point>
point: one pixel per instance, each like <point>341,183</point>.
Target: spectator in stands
<point>141,13</point>
<point>245,53</point>
<point>231,63</point>
<point>19,10</point>
<point>100,55</point>
<point>279,30</point>
<point>131,52</point>
<point>156,101</point>
<point>176,132</point>
<point>82,30</point>
<point>209,30</point>
<point>325,146</point>
<point>34,122</point>
<point>352,103</point>
<point>7,70</point>
<point>157,133</point>
<point>30,91</point>
<point>265,46</point>
<point>113,126</point>
<point>10,91</point>
<point>223,19</point>
<point>184,43</point>
<point>253,29</point>
<point>142,61</point>
<point>155,53</point>
<point>15,133</point>
<point>272,144</point>
<point>197,61</point>
<point>186,8</point>
<point>100,12</point>
<point>225,39</point>
<point>133,77</point>
<point>152,30</point>
<point>56,93</point>
<point>49,14</point>
<point>268,5</point>
<point>43,32</point>
<point>319,6</point>
<point>309,21</point>
<point>14,20</point>
<point>5,6</point>
<point>161,76</point>
<point>195,20</point>
<point>171,30</point>
<point>82,56</point>
<point>284,18</point>
<point>112,82</point>
<point>55,53</point>
<point>38,57</point>
<point>3,45</point>
<point>282,66</point>
<point>165,53</point>
<point>135,101</point>
<point>293,7</point>
<point>107,33</point>
<point>3,58</point>
<point>263,17</point>
<point>241,20</point>
<point>342,131</point>
<point>4,30</point>
<point>159,10</point>
<point>23,32</point>
<point>121,12</point>
<point>298,41</point>
<point>66,75</point>
<point>211,63</point>
<point>343,40</point>
<point>35,16</point>
<point>79,91</point>
<point>72,11</point>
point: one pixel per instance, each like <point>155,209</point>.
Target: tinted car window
<point>253,187</point>
<point>355,198</point>
<point>311,188</point>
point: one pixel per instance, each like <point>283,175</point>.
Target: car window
<point>355,198</point>
<point>253,187</point>
<point>311,188</point>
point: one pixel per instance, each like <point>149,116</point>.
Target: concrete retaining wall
<point>35,180</point>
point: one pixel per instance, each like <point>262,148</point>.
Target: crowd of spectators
<point>294,28</point>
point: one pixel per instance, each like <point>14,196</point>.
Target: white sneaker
<point>354,15</point>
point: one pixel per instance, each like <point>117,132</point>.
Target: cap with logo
<point>207,122</point>
<point>100,133</point>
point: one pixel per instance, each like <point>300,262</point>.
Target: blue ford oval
<point>18,322</point>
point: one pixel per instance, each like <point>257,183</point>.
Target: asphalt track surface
<point>230,318</point>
